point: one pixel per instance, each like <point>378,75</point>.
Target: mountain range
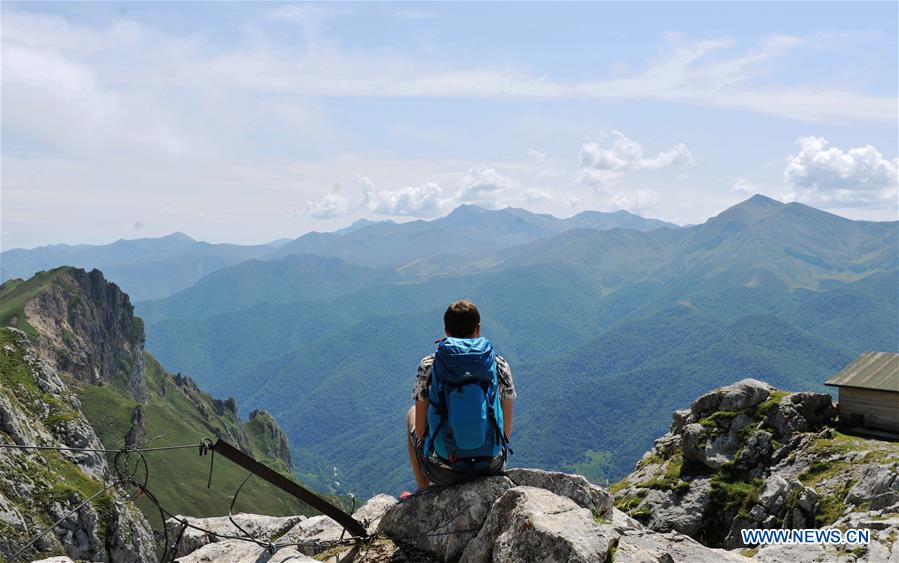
<point>606,330</point>
<point>148,268</point>
<point>156,268</point>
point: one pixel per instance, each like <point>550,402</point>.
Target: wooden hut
<point>869,391</point>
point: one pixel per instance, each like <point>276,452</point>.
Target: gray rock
<point>679,419</point>
<point>693,440</point>
<point>737,396</point>
<point>758,447</point>
<point>807,501</point>
<point>671,547</point>
<point>371,512</point>
<point>315,534</point>
<point>622,522</point>
<point>425,520</point>
<point>877,553</point>
<point>888,502</point>
<point>758,513</point>
<point>734,539</point>
<point>816,409</point>
<point>873,480</point>
<point>792,553</point>
<point>667,445</point>
<point>879,523</point>
<point>233,551</point>
<point>260,527</point>
<point>319,533</point>
<point>772,494</point>
<point>800,412</point>
<point>290,555</point>
<point>575,487</point>
<point>684,513</point>
<point>720,449</point>
<point>532,524</point>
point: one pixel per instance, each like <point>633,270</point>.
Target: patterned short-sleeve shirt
<point>423,379</point>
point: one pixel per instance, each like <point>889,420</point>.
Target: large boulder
<point>575,487</point>
<point>874,480</point>
<point>228,550</point>
<point>800,412</point>
<point>441,521</point>
<point>741,395</point>
<point>644,546</point>
<point>532,524</point>
<point>682,512</point>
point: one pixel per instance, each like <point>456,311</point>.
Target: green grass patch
<point>712,421</point>
<point>668,479</point>
<point>14,294</point>
<point>179,477</point>
<point>732,492</point>
<point>630,501</point>
<point>641,514</point>
<point>620,485</point>
<point>772,401</point>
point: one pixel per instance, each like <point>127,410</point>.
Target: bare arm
<point>506,405</point>
<point>421,419</point>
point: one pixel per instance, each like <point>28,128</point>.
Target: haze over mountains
<point>156,268</point>
<point>149,268</point>
<point>610,322</point>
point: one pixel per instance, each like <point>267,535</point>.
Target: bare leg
<point>420,480</point>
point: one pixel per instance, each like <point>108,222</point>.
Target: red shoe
<point>405,495</point>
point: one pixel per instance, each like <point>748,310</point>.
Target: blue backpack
<point>465,420</point>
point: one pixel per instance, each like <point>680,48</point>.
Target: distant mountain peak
<point>361,224</point>
<point>759,199</point>
<point>467,209</point>
<point>178,236</point>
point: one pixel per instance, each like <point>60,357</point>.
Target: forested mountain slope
<point>606,332</point>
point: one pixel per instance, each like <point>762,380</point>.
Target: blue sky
<point>246,122</point>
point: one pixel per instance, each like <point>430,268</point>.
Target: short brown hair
<point>461,319</point>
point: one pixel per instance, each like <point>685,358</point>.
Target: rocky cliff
<point>40,487</point>
<point>74,373</point>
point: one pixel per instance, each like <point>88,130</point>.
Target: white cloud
<point>635,202</point>
<point>828,176</point>
<point>327,207</point>
<point>486,187</point>
<point>744,186</point>
<point>603,166</point>
<point>424,200</point>
<point>534,195</point>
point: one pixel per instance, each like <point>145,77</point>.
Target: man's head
<point>462,320</point>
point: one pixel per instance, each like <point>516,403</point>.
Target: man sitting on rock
<point>460,424</point>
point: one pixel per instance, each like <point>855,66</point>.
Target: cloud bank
<point>828,176</point>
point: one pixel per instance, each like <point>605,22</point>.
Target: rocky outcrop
<point>86,327</point>
<point>751,456</point>
<point>38,487</point>
<point>531,515</point>
<point>270,440</point>
<point>553,517</point>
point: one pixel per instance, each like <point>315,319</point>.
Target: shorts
<point>443,475</point>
